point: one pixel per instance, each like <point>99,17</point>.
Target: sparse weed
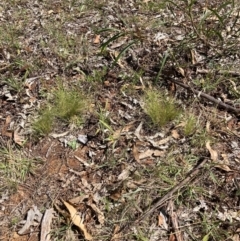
<point>15,84</point>
<point>161,108</point>
<point>97,75</point>
<point>43,125</point>
<point>14,167</point>
<point>200,138</point>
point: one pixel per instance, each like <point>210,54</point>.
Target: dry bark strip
<point>208,97</point>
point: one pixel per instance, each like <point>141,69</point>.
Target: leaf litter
<point>115,170</point>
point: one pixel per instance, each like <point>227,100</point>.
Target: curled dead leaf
<point>97,39</point>
<point>77,220</point>
<point>213,153</point>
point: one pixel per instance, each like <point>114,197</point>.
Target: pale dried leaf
<point>136,154</point>
<point>99,213</point>
<point>97,39</point>
<point>162,221</point>
<point>137,132</point>
<point>124,174</point>
<point>213,153</point>
<point>79,199</point>
<point>77,220</point>
<point>55,135</point>
<point>175,134</point>
<point>182,72</point>
<point>46,225</point>
<point>18,139</point>
<point>150,153</point>
<point>33,216</point>
<point>116,234</point>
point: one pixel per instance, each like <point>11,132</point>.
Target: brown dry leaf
<point>79,199</point>
<point>116,195</point>
<point>4,131</point>
<point>77,220</point>
<point>136,154</point>
<point>8,120</point>
<point>208,129</point>
<point>182,72</point>
<point>116,234</point>
<point>163,141</point>
<point>125,129</point>
<point>235,237</point>
<point>150,153</point>
<point>172,237</point>
<point>162,221</point>
<point>193,56</point>
<point>17,138</point>
<point>224,165</point>
<point>97,39</point>
<point>100,214</point>
<point>213,153</point>
<point>175,134</point>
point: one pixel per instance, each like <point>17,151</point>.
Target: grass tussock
<point>66,105</point>
<point>14,167</point>
<point>160,108</point>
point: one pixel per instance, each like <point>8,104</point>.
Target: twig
<point>208,97</point>
<point>223,72</point>
<point>175,227</point>
<point>160,203</point>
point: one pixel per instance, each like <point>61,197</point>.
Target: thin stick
<point>160,203</point>
<point>206,96</point>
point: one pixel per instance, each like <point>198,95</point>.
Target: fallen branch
<point>192,174</point>
<point>169,195</point>
<point>208,97</point>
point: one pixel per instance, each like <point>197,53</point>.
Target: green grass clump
<point>43,125</point>
<point>160,108</point>
<point>190,125</point>
<point>65,105</point>
<point>14,168</point>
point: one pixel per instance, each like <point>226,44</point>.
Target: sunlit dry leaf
<point>223,167</point>
<point>79,199</point>
<point>77,220</point>
<point>100,214</point>
<point>8,120</point>
<point>193,56</point>
<point>138,130</point>
<point>163,141</point>
<point>172,237</point>
<point>225,163</point>
<point>33,215</point>
<point>235,237</point>
<point>150,153</point>
<point>136,154</point>
<point>116,234</point>
<point>97,39</point>
<point>162,221</point>
<point>50,11</point>
<point>213,153</point>
<point>182,72</point>
<point>17,138</point>
<point>208,127</point>
<point>55,135</point>
<point>46,225</point>
<point>175,134</point>
<point>124,175</point>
